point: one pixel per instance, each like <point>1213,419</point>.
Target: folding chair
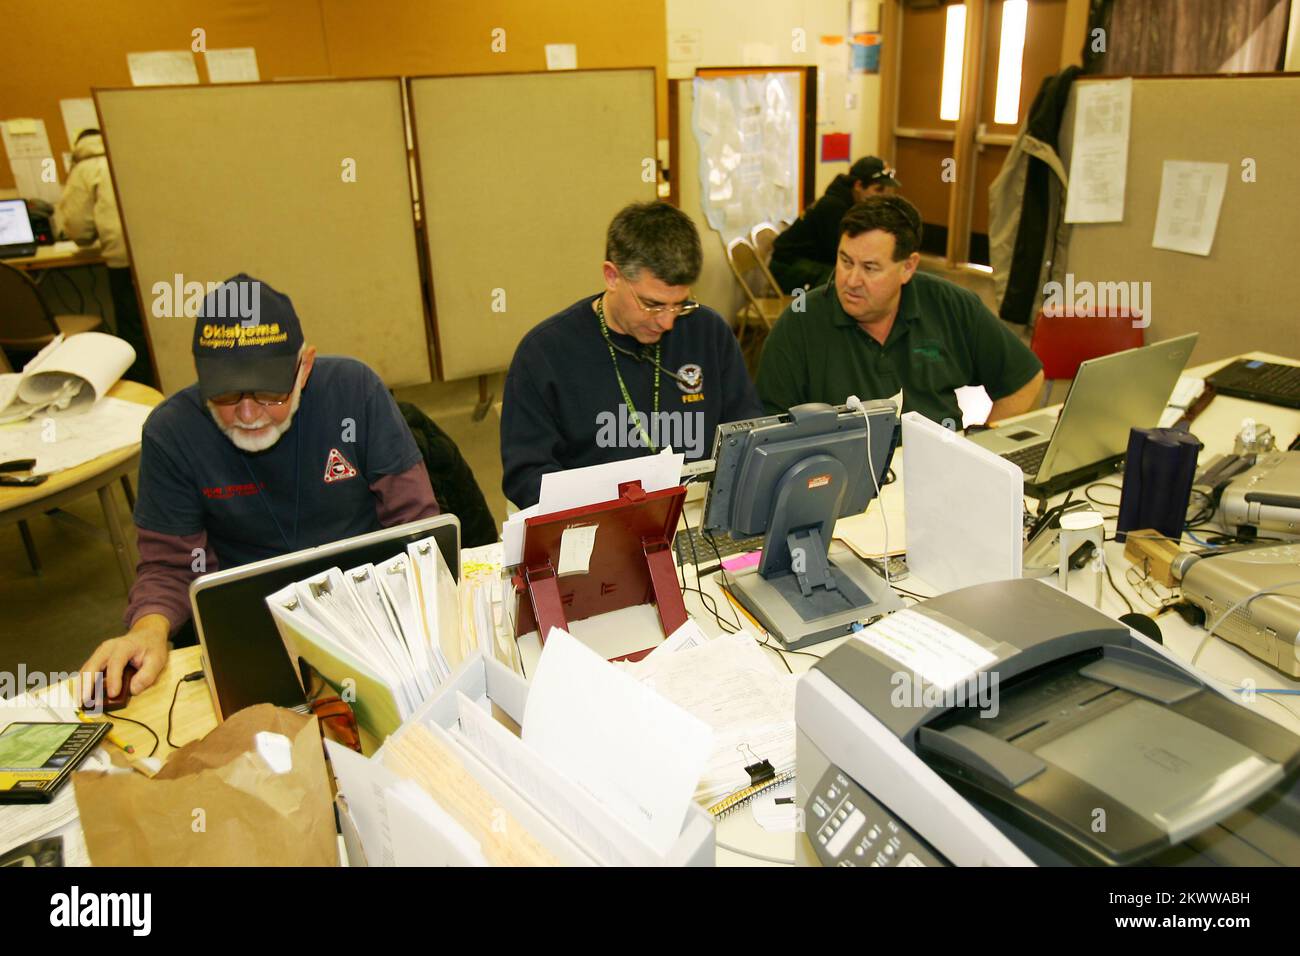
<point>764,300</point>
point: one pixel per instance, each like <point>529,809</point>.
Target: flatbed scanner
<point>1073,741</point>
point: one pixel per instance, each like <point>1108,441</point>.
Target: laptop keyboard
<point>1263,381</point>
<point>1028,458</point>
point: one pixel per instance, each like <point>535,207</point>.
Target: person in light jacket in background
<point>87,212</point>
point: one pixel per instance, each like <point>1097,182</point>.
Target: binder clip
<point>760,771</point>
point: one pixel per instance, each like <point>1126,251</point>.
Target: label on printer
<point>933,650</point>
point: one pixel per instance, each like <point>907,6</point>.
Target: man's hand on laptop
<point>144,647</point>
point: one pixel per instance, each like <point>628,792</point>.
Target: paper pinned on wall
<point>78,115</point>
<point>163,68</point>
<point>1191,195</point>
<point>561,56</point>
<point>28,147</point>
<point>237,65</point>
<point>684,46</point>
<point>1099,162</point>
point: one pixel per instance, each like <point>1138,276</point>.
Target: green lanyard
<point>627,399</point>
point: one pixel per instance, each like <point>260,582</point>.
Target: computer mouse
<point>124,695</point>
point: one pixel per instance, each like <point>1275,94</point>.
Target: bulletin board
<point>519,176</point>
<point>1243,295</point>
<point>755,130</point>
<point>303,185</point>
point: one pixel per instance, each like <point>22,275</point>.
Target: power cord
<point>1210,628</point>
<point>192,676</point>
<point>856,403</point>
<point>139,723</point>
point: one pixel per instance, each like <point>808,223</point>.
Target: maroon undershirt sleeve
<point>168,563</point>
<point>406,496</point>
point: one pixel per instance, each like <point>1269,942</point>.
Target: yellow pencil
<point>112,737</point>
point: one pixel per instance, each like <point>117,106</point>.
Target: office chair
<point>1062,342</point>
<point>26,323</point>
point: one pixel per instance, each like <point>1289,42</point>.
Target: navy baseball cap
<point>246,339</point>
<point>870,170</point>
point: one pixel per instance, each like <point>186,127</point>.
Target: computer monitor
<point>16,236</point>
<point>789,477</point>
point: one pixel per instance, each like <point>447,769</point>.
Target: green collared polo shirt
<point>943,338</point>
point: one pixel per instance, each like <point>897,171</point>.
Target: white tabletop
<point>1219,662</point>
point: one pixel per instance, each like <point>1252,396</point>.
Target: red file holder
<point>631,563</point>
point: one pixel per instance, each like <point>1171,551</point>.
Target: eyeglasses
<point>685,307</point>
<point>262,398</point>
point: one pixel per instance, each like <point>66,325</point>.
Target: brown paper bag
<point>217,802</point>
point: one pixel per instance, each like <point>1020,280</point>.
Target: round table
<point>97,475</point>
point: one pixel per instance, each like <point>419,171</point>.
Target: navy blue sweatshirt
<point>563,407</point>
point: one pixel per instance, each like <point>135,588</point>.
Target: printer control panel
<point>847,827</point>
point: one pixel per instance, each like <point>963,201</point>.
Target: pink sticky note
<point>738,562</point>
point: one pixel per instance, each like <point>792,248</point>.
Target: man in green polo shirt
<point>881,326</point>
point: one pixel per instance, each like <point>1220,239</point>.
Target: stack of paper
<point>636,751</point>
<point>385,636</point>
<point>729,684</point>
<point>603,772</point>
<point>483,624</point>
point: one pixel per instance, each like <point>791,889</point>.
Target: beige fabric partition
<point>301,184</point>
<point>519,176</point>
<point>1243,295</point>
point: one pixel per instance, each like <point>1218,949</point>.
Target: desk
<point>61,255</point>
<point>193,718</point>
<point>98,475</point>
<point>1220,663</point>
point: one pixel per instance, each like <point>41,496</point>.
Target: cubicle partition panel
<point>519,175</point>
<point>1240,296</point>
<point>303,185</point>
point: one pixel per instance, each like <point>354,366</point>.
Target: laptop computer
<point>1269,382</point>
<point>243,657</point>
<point>16,236</point>
<point>1109,396</point>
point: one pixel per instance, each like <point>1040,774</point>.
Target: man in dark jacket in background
<point>804,254</point>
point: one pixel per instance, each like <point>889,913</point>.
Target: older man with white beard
<point>253,462</point>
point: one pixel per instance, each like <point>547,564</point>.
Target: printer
<point>1050,735</point>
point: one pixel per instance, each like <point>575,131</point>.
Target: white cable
<point>753,856</point>
<point>1275,589</point>
<point>856,403</point>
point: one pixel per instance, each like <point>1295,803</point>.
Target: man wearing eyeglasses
<point>252,462</point>
<point>633,369</point>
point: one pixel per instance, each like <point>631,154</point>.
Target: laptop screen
<point>245,658</point>
<point>15,226</point>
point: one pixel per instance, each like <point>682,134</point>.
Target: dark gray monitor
<point>789,477</point>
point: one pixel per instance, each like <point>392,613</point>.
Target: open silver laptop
<point>1109,396</point>
<point>243,657</point>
